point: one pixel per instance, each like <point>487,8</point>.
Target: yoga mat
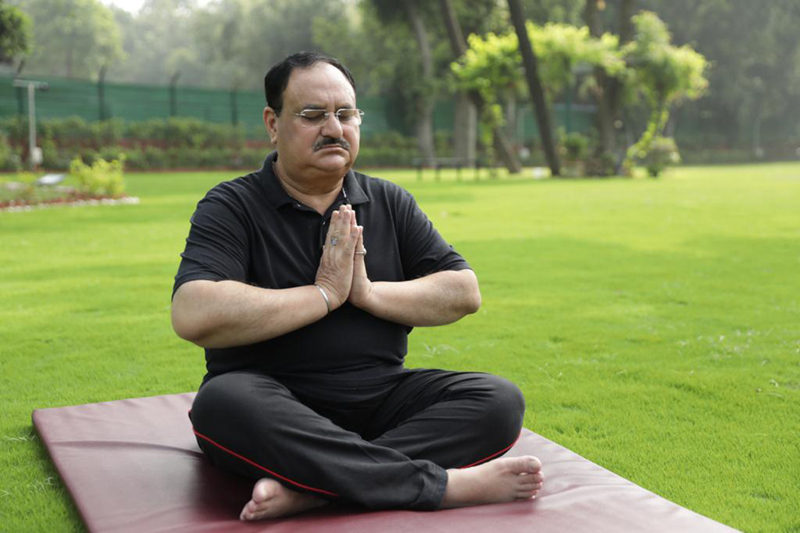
<point>134,466</point>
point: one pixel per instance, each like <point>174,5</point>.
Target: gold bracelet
<point>327,301</point>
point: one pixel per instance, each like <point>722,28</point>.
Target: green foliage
<point>663,153</point>
<point>102,178</point>
<point>755,78</point>
<point>392,149</point>
<point>493,63</point>
<point>27,180</point>
<point>562,49</point>
<point>9,157</point>
<point>664,74</point>
<point>72,37</point>
<point>574,146</point>
<point>602,165</point>
<point>490,66</point>
<point>15,32</point>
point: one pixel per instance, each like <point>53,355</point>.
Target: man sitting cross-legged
<point>302,282</point>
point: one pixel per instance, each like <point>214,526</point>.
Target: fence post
<point>101,96</point>
<point>20,101</point>
<point>173,94</point>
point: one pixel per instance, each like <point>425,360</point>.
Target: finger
<point>339,226</point>
<point>360,244</point>
<point>351,242</point>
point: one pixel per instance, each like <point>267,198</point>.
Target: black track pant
<point>387,448</point>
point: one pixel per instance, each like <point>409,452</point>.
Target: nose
<point>332,127</point>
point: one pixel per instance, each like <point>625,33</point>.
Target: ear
<point>271,123</point>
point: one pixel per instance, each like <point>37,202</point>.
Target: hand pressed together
<point>342,273</point>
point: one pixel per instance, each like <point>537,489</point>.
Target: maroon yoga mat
<point>133,465</point>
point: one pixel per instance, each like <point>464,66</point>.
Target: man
<point>305,334</point>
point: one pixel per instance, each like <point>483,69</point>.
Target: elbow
<point>472,294</point>
<point>185,327</point>
<point>473,302</point>
<point>187,320</point>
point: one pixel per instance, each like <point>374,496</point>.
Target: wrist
<point>334,300</point>
<point>364,297</point>
<point>325,297</point>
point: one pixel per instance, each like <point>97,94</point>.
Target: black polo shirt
<point>251,230</point>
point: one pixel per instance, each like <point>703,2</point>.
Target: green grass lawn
<point>653,325</point>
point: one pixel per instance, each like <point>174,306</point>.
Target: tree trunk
<point>459,46</point>
<point>626,12</point>
<point>511,116</point>
<point>424,103</point>
<point>465,136</point>
<point>604,118</point>
<point>535,86</point>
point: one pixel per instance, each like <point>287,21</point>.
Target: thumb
<point>360,247</point>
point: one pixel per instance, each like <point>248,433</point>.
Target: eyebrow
<point>324,107</point>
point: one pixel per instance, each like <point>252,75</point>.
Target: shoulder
<point>237,188</point>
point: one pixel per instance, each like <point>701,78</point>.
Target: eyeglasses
<point>318,117</point>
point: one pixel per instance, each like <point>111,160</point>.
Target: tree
<point>491,66</point>
<point>160,42</point>
<point>608,90</point>
<point>15,33</point>
<point>535,86</point>
<point>392,11</point>
<point>72,37</point>
<point>754,84</point>
<point>477,100</point>
<point>664,74</point>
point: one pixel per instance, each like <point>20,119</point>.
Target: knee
<point>221,401</point>
<point>506,406</point>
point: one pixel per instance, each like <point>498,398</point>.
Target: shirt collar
<point>278,196</point>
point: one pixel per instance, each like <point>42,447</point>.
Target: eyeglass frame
<point>327,114</point>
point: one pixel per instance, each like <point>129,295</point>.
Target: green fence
<point>94,101</point>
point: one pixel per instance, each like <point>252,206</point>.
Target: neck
<point>319,194</point>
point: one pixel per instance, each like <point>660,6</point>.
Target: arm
<point>433,300</point>
<point>221,314</point>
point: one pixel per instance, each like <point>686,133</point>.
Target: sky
<point>132,6</point>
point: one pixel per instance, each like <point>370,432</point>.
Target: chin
<point>334,160</point>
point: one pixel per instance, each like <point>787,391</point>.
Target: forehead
<point>321,84</point>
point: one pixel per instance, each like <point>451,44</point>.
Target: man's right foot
<point>502,480</point>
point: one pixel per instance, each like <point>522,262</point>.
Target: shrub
<point>574,146</point>
<point>102,178</point>
<point>52,157</point>
<point>9,157</point>
<point>601,165</point>
<point>663,152</point>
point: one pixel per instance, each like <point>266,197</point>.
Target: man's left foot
<point>273,500</point>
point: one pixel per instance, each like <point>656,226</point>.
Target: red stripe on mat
<point>504,450</point>
<point>253,463</point>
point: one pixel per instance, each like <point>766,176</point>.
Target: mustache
<point>327,141</point>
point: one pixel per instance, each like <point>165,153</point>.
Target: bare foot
<point>502,480</point>
<point>273,500</point>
